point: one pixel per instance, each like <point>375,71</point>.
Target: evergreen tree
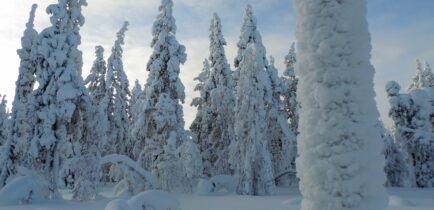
<point>4,120</point>
<point>417,80</point>
<point>64,119</point>
<point>21,118</point>
<point>250,157</point>
<point>249,34</point>
<point>136,104</point>
<point>281,138</point>
<point>119,104</point>
<point>340,164</point>
<point>96,80</point>
<point>396,168</point>
<point>428,78</point>
<point>161,124</point>
<point>215,118</point>
<point>289,92</point>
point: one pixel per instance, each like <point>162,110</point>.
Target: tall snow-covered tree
<point>96,80</point>
<point>136,104</point>
<point>4,119</point>
<point>21,124</point>
<point>428,78</point>
<point>289,92</point>
<point>119,104</point>
<point>161,124</point>
<point>249,34</point>
<point>397,169</point>
<point>281,138</point>
<point>215,118</point>
<point>64,119</point>
<point>340,164</point>
<point>417,80</point>
<point>250,156</point>
<point>412,131</point>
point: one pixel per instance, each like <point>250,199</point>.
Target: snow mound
<point>149,200</point>
<point>23,189</point>
<point>397,201</point>
<point>216,185</point>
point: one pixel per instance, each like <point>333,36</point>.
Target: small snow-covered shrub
<point>149,200</point>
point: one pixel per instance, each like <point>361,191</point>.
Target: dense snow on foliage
<point>214,120</point>
<point>119,100</point>
<point>289,89</point>
<point>340,164</point>
<point>251,158</point>
<point>65,125</point>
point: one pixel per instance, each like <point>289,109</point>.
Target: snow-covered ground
<point>286,199</point>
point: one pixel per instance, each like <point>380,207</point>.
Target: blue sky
<point>401,30</point>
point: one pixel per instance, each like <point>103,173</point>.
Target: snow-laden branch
<point>115,158</point>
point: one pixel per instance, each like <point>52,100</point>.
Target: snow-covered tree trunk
<point>250,157</point>
<point>21,123</point>
<point>340,164</point>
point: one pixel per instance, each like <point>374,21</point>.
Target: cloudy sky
<point>402,31</point>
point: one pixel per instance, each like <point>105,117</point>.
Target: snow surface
<point>285,199</point>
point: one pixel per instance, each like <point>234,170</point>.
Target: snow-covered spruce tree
<point>397,169</point>
<point>119,105</point>
<point>250,156</point>
<point>412,131</point>
<point>21,124</point>
<point>96,85</point>
<point>214,128</point>
<point>249,34</point>
<point>417,80</point>
<point>289,90</point>
<point>281,138</point>
<point>65,121</point>
<point>96,80</point>
<point>428,78</point>
<point>4,120</point>
<point>340,164</point>
<point>161,124</point>
<point>135,104</point>
<point>201,123</point>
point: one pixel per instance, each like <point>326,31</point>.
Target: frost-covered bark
<point>249,34</point>
<point>161,125</point>
<point>119,100</point>
<point>64,117</point>
<point>282,140</point>
<point>250,156</point>
<point>214,121</point>
<point>289,92</point>
<point>340,164</point>
<point>21,123</point>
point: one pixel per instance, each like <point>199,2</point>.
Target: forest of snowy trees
<point>315,126</point>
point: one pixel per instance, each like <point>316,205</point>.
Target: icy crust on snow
<point>340,163</point>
